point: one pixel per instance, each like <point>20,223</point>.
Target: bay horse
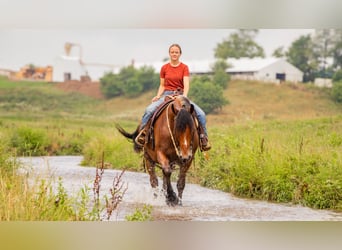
<point>173,140</point>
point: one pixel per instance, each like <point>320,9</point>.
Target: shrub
<point>129,82</point>
<point>29,141</point>
<point>132,87</point>
<point>111,86</point>
<point>207,95</point>
<point>337,76</point>
<point>143,214</point>
<point>336,91</point>
<point>221,78</point>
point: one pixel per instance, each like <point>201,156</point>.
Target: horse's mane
<point>182,120</point>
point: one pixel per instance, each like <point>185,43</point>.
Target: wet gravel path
<point>199,203</point>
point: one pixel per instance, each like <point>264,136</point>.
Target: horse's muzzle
<point>185,159</point>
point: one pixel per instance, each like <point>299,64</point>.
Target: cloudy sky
<point>116,32</point>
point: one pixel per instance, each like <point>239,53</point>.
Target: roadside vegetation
<point>275,143</point>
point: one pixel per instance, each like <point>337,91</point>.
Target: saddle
<point>156,114</point>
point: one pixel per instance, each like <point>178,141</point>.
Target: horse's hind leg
<point>150,167</point>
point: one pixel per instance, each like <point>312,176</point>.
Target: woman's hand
<point>156,98</point>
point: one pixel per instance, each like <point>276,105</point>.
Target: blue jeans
<point>154,105</point>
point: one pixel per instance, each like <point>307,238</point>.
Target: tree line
<point>317,55</point>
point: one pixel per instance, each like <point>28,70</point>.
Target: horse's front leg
<point>181,181</point>
<point>171,197</point>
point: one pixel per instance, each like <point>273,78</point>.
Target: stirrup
<point>205,145</point>
<point>140,139</point>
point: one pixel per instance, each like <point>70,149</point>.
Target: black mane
<point>183,120</point>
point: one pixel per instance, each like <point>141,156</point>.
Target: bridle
<point>171,134</point>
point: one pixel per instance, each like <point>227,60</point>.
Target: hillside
<point>91,89</point>
<point>248,101</point>
<point>259,101</point>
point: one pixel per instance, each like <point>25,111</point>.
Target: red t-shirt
<point>174,76</point>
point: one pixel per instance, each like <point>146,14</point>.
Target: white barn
<point>264,69</point>
<point>67,68</point>
<point>70,68</point>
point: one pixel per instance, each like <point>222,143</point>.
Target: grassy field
<point>281,143</point>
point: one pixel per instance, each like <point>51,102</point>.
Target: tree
<point>239,44</point>
<point>301,55</point>
<point>279,52</point>
<point>337,76</point>
<point>337,50</point>
<point>319,55</point>
<point>220,77</point>
<point>206,94</point>
<point>336,91</point>
<point>322,46</point>
<point>129,82</point>
<point>111,86</point>
<point>147,77</point>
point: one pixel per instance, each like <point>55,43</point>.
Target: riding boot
<point>141,137</point>
<point>204,141</point>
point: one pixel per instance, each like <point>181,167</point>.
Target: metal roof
<point>250,64</point>
<point>236,65</point>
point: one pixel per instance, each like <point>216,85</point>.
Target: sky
<point>42,47</point>
<point>117,32</point>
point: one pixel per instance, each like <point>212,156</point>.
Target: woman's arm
<point>186,82</point>
<point>160,90</point>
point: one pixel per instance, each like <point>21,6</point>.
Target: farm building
<point>262,69</point>
<point>273,70</point>
<point>67,68</point>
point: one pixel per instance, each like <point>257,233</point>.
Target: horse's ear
<point>173,108</point>
<point>192,108</point>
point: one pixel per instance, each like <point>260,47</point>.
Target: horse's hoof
<point>171,203</point>
<point>172,200</point>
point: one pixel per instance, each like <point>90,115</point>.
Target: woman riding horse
<point>176,130</point>
<point>174,76</point>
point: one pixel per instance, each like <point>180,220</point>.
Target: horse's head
<point>181,102</point>
<point>184,129</point>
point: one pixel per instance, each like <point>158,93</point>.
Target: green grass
<point>295,161</point>
<point>276,143</point>
<point>38,98</point>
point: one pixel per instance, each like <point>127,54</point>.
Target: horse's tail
<point>125,133</point>
<point>131,136</point>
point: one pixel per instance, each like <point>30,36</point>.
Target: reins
<point>172,138</point>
